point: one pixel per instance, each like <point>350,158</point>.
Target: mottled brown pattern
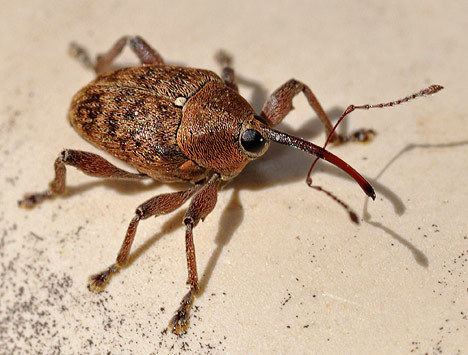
<point>168,82</point>
<point>210,128</point>
<point>131,114</point>
<point>178,124</point>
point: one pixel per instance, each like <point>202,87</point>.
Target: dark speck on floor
<point>42,307</point>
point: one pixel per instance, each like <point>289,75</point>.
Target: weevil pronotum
<point>174,123</point>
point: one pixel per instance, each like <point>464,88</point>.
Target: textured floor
<point>283,268</point>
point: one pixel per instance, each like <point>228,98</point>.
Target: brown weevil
<point>180,124</point>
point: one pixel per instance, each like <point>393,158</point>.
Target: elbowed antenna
<point>430,90</point>
<point>308,147</point>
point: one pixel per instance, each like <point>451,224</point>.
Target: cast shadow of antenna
<point>418,255</point>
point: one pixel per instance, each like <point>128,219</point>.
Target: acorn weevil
<point>174,123</point>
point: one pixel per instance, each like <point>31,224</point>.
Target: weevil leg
<point>156,206</point>
<point>201,205</point>
<point>138,45</point>
<point>279,104</point>
<point>224,59</point>
<point>89,163</point>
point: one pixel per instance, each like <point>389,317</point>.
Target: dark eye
<point>252,141</point>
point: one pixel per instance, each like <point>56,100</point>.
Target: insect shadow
<point>418,255</point>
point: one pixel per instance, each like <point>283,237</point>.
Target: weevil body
<point>174,123</point>
<point>170,123</point>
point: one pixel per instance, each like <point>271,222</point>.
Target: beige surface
<point>285,270</point>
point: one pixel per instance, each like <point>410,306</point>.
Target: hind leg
<point>89,163</point>
<point>103,62</point>
<point>224,59</point>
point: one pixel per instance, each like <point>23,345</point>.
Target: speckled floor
<point>282,267</point>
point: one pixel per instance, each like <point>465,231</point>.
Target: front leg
<point>280,104</point>
<point>200,207</point>
<point>156,206</point>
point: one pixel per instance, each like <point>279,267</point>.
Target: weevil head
<point>220,132</point>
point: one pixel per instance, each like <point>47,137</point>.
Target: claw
<point>179,323</point>
<point>32,200</point>
<point>363,135</point>
<point>223,58</point>
<point>98,282</point>
<point>339,139</point>
<point>81,55</point>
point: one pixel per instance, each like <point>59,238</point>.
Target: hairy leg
<point>89,163</point>
<point>138,45</point>
<point>227,72</point>
<point>279,105</point>
<point>156,206</point>
<point>201,205</point>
